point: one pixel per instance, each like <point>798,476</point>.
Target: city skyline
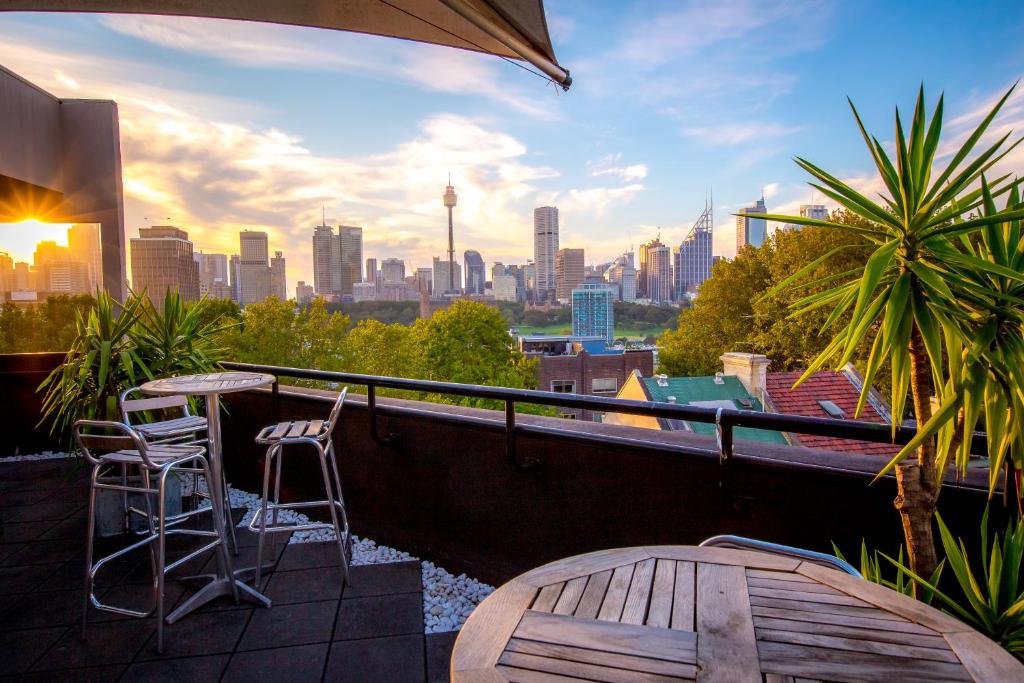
<point>649,133</point>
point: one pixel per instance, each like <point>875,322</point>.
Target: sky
<point>230,125</point>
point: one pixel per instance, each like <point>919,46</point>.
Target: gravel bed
<point>447,599</point>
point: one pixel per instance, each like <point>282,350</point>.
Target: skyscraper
<point>593,311</point>
<point>695,254</point>
<point>504,288</point>
<point>57,272</point>
<point>162,260</point>
<point>545,246</point>
<point>622,274</point>
<point>372,271</point>
<point>278,277</point>
<point>303,293</point>
<point>392,271</point>
<point>751,230</point>
<point>658,264</point>
<point>450,200</point>
<point>569,272</point>
<point>476,274</point>
<point>253,267</point>
<point>424,280</point>
<point>84,246</point>
<point>351,239</point>
<point>234,273</point>
<point>213,275</point>
<point>442,277</point>
<point>326,261</point>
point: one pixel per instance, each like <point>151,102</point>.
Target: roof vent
<point>719,378</point>
<point>662,380</point>
<point>670,399</point>
<point>832,409</point>
<point>745,402</point>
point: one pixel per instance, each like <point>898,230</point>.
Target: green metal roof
<point>688,390</point>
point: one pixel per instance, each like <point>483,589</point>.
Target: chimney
<point>751,369</point>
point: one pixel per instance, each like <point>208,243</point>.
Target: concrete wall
<point>60,162</point>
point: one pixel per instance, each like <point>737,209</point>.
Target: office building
<point>593,311</point>
<point>815,211</point>
<point>392,271</point>
<point>498,268</point>
<point>568,272</point>
<point>442,277</point>
<point>504,288</point>
<point>545,246</point>
<point>253,267</point>
<point>424,280</point>
<point>751,230</point>
<point>623,276</point>
<point>364,291</point>
<point>56,272</point>
<point>84,247</point>
<point>476,274</point>
<point>326,261</point>
<point>351,239</point>
<point>278,277</point>
<point>234,274</point>
<point>373,273</point>
<point>695,254</point>
<point>6,274</point>
<point>643,271</point>
<point>304,293</point>
<point>162,260</point>
<point>655,277</point>
<point>213,275</point>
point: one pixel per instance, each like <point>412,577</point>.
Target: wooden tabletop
<point>670,613</point>
<point>209,383</point>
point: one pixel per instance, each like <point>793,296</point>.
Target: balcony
<point>487,493</point>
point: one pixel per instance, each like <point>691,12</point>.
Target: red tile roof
<point>830,386</point>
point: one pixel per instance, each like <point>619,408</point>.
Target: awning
<point>507,28</point>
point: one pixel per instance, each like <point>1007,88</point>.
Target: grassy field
<point>567,329</point>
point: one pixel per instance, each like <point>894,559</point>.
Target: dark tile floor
<point>370,631</point>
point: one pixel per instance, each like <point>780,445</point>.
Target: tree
<point>721,317</point>
<point>918,297</point>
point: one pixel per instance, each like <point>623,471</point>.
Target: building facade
<point>593,311</point>
<point>656,273</point>
<point>304,293</point>
<point>278,277</point>
<point>425,280</point>
<point>162,260</point>
<point>505,288</point>
<point>751,230</point>
<point>392,271</point>
<point>695,255</point>
<point>84,247</point>
<point>442,279</point>
<point>476,274</point>
<point>545,246</point>
<point>351,240</point>
<point>213,275</point>
<point>254,283</point>
<point>326,261</point>
<point>569,272</point>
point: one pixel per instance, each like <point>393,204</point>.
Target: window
<point>604,385</point>
<point>563,386</point>
<point>567,416</point>
<point>832,409</point>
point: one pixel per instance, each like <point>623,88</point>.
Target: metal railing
<point>725,420</point>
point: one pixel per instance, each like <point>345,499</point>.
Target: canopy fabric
<point>507,28</point>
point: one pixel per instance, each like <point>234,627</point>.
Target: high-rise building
<point>695,254</point>
<point>498,268</point>
<point>593,311</point>
<point>253,267</point>
<point>162,260</point>
<point>364,291</point>
<point>476,274</point>
<point>392,271</point>
<point>450,200</point>
<point>504,288</point>
<point>568,272</point>
<point>816,211</point>
<point>6,274</point>
<point>442,277</point>
<point>622,274</point>
<point>24,279</point>
<point>351,239</point>
<point>424,280</point>
<point>84,246</point>
<point>751,230</point>
<point>658,263</point>
<point>278,277</point>
<point>326,261</point>
<point>545,246</point>
<point>303,293</point>
<point>213,275</point>
<point>373,273</point>
<point>235,274</point>
<point>56,272</point>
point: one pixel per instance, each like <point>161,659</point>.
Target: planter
<point>110,506</point>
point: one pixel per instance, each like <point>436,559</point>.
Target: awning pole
<point>511,41</point>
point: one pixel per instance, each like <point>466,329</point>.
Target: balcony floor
<point>373,630</point>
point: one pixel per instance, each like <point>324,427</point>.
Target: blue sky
<point>228,125</point>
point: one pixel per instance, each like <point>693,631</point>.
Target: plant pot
<point>110,506</point>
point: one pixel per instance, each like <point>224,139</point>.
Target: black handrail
<point>724,419</point>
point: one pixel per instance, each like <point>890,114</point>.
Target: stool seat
<point>295,429</point>
<point>179,426</point>
<point>158,454</point>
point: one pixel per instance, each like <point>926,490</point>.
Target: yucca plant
<point>903,303</point>
<point>180,339</point>
<point>872,568</point>
<point>992,602</point>
<point>102,361</point>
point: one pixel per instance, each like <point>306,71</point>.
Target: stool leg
<point>262,512</point>
<point>341,499</point>
<point>90,533</point>
<point>161,560</point>
<point>229,518</point>
<point>146,481</point>
<point>334,513</point>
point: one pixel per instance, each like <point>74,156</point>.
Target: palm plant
<point>904,302</point>
<point>873,569</point>
<point>180,339</point>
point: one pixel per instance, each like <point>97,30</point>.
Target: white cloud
<point>607,165</point>
<point>591,202</point>
<point>738,133</point>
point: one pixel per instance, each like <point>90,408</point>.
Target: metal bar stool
<point>112,448</point>
<point>317,434</point>
<point>184,429</point>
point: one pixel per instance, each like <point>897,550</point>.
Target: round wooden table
<point>713,614</point>
<point>210,386</point>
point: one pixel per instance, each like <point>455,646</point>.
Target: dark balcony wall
<point>20,376</point>
<point>448,493</point>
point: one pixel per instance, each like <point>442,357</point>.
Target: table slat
<point>684,596</point>
<point>581,670</point>
<point>615,597</point>
<point>726,645</point>
<point>547,597</point>
<point>611,659</point>
<point>635,609</point>
<point>590,603</point>
<point>659,613</point>
<point>828,664</point>
<point>570,596</point>
<point>626,639</point>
